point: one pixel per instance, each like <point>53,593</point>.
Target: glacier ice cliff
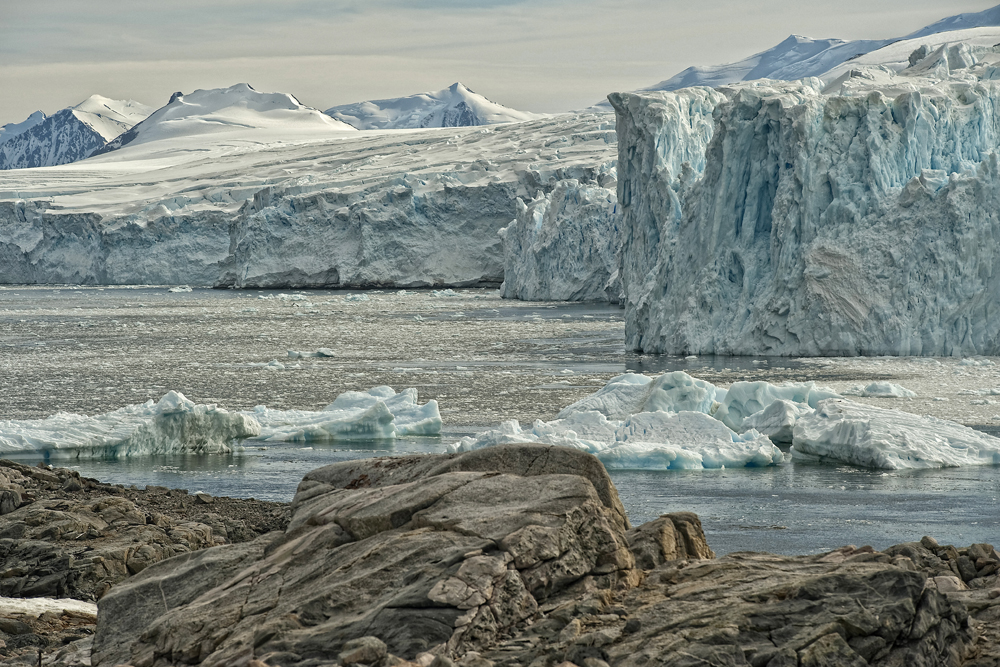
<point>563,245</point>
<point>857,216</point>
<point>270,208</point>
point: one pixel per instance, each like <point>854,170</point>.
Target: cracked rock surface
<point>446,554</point>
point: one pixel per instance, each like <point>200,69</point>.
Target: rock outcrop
<point>443,553</point>
<point>518,555</point>
<point>63,535</point>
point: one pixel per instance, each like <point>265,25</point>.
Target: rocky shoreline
<point>515,555</point>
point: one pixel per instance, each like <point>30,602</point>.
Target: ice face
<point>282,204</point>
<point>821,224</point>
<point>563,246</point>
<point>171,426</point>
<point>872,437</point>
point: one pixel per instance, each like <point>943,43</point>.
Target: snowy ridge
<point>69,135</point>
<point>800,57</point>
<point>235,109</point>
<point>266,207</point>
<point>675,421</point>
<point>797,57</point>
<point>11,130</point>
<point>455,106</point>
<point>809,229</point>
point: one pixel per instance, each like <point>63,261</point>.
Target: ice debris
<point>172,425</point>
<point>179,289</point>
<point>872,437</point>
<point>880,390</point>
<point>355,415</point>
<point>676,421</point>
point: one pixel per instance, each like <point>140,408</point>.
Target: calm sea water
<point>483,359</point>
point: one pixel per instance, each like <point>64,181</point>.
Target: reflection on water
<point>790,509</point>
<point>795,508</point>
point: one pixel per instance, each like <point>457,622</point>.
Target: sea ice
<point>171,426</point>
<point>880,390</point>
<point>871,437</point>
<point>354,415</point>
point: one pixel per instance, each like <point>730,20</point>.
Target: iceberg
<point>822,218</point>
<point>863,435</point>
<point>650,440</point>
<point>563,245</point>
<point>632,393</point>
<point>355,415</point>
<point>173,425</point>
<point>881,390</point>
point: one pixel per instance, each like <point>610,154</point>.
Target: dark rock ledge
<point>517,555</point>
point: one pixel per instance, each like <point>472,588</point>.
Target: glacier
<point>856,216</point>
<point>289,200</point>
<point>455,106</point>
<point>563,245</point>
<point>68,135</point>
<point>177,425</point>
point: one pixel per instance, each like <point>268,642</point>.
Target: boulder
<point>677,536</point>
<point>447,553</point>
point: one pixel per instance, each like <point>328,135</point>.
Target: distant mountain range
<point>799,57</point>
<point>68,135</point>
<point>455,106</point>
<point>234,109</point>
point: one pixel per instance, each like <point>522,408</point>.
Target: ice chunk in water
<point>172,425</point>
<point>872,437</point>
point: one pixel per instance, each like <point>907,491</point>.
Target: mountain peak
<point>454,106</point>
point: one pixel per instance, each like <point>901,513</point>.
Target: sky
<point>534,55</point>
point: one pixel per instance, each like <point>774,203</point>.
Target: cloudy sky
<point>535,55</point>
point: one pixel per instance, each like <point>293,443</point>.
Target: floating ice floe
<point>649,440</point>
<point>675,421</point>
<point>872,437</point>
<point>172,425</point>
<point>321,352</point>
<point>880,390</point>
<point>354,415</point>
<point>180,288</point>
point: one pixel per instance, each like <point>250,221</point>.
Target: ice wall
<point>563,246</point>
<point>861,222</point>
<point>406,209</point>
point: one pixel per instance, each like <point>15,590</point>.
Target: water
<point>485,360</point>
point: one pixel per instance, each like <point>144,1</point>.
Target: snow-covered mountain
<point>68,135</point>
<point>11,130</point>
<point>455,106</point>
<point>238,109</point>
<point>799,57</point>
